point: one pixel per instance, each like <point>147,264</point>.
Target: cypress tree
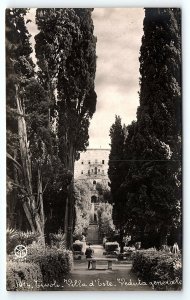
<point>65,48</point>
<point>151,190</point>
<point>115,173</point>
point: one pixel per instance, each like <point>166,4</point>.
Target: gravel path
<point>120,278</point>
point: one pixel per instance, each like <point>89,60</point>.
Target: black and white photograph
<point>94,149</point>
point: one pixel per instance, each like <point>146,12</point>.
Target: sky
<point>119,32</point>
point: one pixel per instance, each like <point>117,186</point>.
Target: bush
<point>22,275</point>
<point>77,247</point>
<point>45,264</point>
<point>15,238</point>
<point>127,254</point>
<point>55,263</point>
<point>58,239</point>
<point>111,246</point>
<point>27,238</point>
<point>160,267</point>
<point>12,239</point>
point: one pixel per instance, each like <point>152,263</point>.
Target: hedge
<point>54,264</point>
<point>162,270</point>
<point>46,265</point>
<point>21,276</point>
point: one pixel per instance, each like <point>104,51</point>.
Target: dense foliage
<point>21,276</point>
<point>24,179</point>
<point>42,267</point>
<point>49,107</point>
<point>148,191</point>
<point>15,237</point>
<point>105,220</point>
<point>82,206</point>
<point>65,48</point>
<point>84,190</point>
<point>162,270</point>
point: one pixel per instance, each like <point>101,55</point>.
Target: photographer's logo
<point>20,251</point>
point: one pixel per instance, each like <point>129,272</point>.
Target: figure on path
<point>89,254</point>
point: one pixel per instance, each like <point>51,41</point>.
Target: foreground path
<point>120,278</point>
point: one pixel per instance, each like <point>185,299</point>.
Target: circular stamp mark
<point>20,251</point>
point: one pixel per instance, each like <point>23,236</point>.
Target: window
<point>94,182</point>
<point>92,170</point>
<point>89,162</point>
<point>93,199</point>
<point>95,170</point>
<point>81,172</point>
<point>88,172</point>
<point>82,163</point>
<point>98,170</point>
<point>103,161</point>
<point>96,161</point>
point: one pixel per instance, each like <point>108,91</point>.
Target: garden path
<point>120,278</point>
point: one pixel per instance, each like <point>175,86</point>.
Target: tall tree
<point>66,56</point>
<point>116,174</point>
<point>20,73</point>
<point>159,114</point>
<point>151,190</point>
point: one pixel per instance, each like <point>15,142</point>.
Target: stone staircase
<point>93,234</point>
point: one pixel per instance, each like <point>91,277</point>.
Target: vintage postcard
<point>94,127</point>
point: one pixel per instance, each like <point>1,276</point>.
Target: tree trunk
<point>40,199</point>
<point>164,236</point>
<point>69,212</point>
<point>29,203</point>
<point>66,218</point>
<point>121,239</point>
<point>28,213</point>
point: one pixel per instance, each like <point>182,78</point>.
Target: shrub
<point>161,267</point>
<point>43,263</point>
<point>55,263</point>
<point>27,238</point>
<point>77,247</point>
<point>77,236</point>
<point>111,246</point>
<point>127,254</point>
<point>12,239</point>
<point>58,239</point>
<point>15,238</point>
<point>22,275</point>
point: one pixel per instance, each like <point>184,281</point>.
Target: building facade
<point>93,166</point>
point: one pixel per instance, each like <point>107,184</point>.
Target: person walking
<point>89,254</point>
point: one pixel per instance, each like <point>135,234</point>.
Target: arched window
<point>95,170</point>
<point>94,199</point>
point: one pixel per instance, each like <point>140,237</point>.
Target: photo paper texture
<point>94,126</point>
